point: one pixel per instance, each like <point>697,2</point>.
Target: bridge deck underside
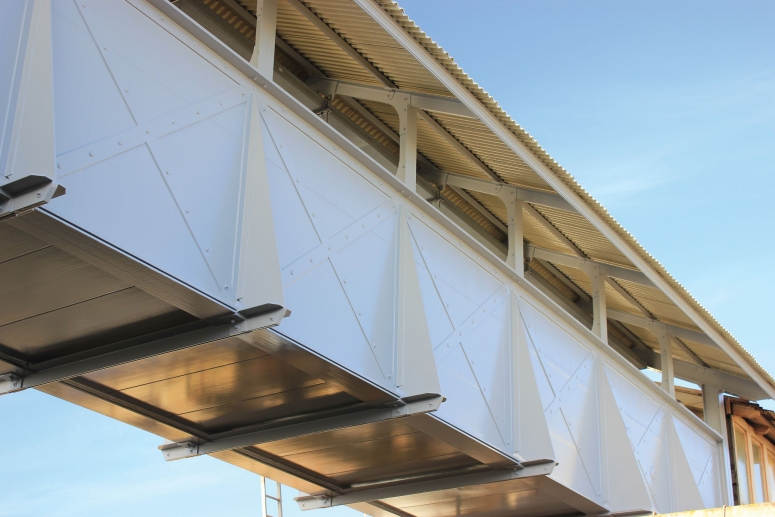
<point>58,309</point>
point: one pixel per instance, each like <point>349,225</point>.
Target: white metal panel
<point>571,405</point>
<point>474,358</point>
<point>702,457</point>
<point>27,136</point>
<point>89,105</point>
<point>323,320</point>
<point>125,201</point>
<point>152,83</point>
<point>339,286</point>
<point>206,180</point>
<point>466,407</point>
<point>288,208</point>
<point>155,142</point>
<point>334,193</point>
<point>368,266</point>
<point>461,284</point>
<point>439,327</point>
<point>533,440</point>
<point>624,488</point>
<point>647,427</point>
<point>560,354</point>
<point>686,494</point>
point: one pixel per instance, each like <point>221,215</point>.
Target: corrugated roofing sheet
<point>358,29</point>
<point>445,60</point>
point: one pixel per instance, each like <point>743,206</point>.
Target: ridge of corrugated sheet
<point>442,57</point>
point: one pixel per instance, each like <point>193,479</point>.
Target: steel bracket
<point>248,320</point>
<point>10,382</point>
<point>20,196</point>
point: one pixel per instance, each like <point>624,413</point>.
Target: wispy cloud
<point>77,497</point>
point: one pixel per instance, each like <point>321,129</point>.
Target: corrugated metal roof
<point>445,60</point>
<point>359,30</point>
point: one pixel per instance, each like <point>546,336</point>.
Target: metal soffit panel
<point>360,31</point>
<point>369,453</point>
<point>221,385</point>
<point>494,499</point>
<point>54,302</point>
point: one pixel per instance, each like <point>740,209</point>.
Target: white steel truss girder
<point>320,125</point>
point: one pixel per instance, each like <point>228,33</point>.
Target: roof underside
<point>440,136</point>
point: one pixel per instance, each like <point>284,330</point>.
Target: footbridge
<point>294,236</point>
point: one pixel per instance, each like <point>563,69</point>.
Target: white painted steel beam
<point>314,502</point>
<point>515,257</point>
<point>673,330</point>
<point>425,101</point>
<point>407,163</point>
<point>723,381</point>
<point>715,416</point>
<point>499,189</point>
<point>666,359</point>
<point>172,452</point>
<point>600,319</point>
<point>27,136</point>
<point>580,263</point>
<point>266,34</point>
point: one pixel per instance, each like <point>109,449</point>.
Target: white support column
<point>28,145</point>
<point>407,164</point>
<point>516,255</point>
<point>266,28</point>
<point>600,319</point>
<point>666,359</point>
<point>715,417</point>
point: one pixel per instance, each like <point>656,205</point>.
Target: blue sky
<point>664,111</point>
